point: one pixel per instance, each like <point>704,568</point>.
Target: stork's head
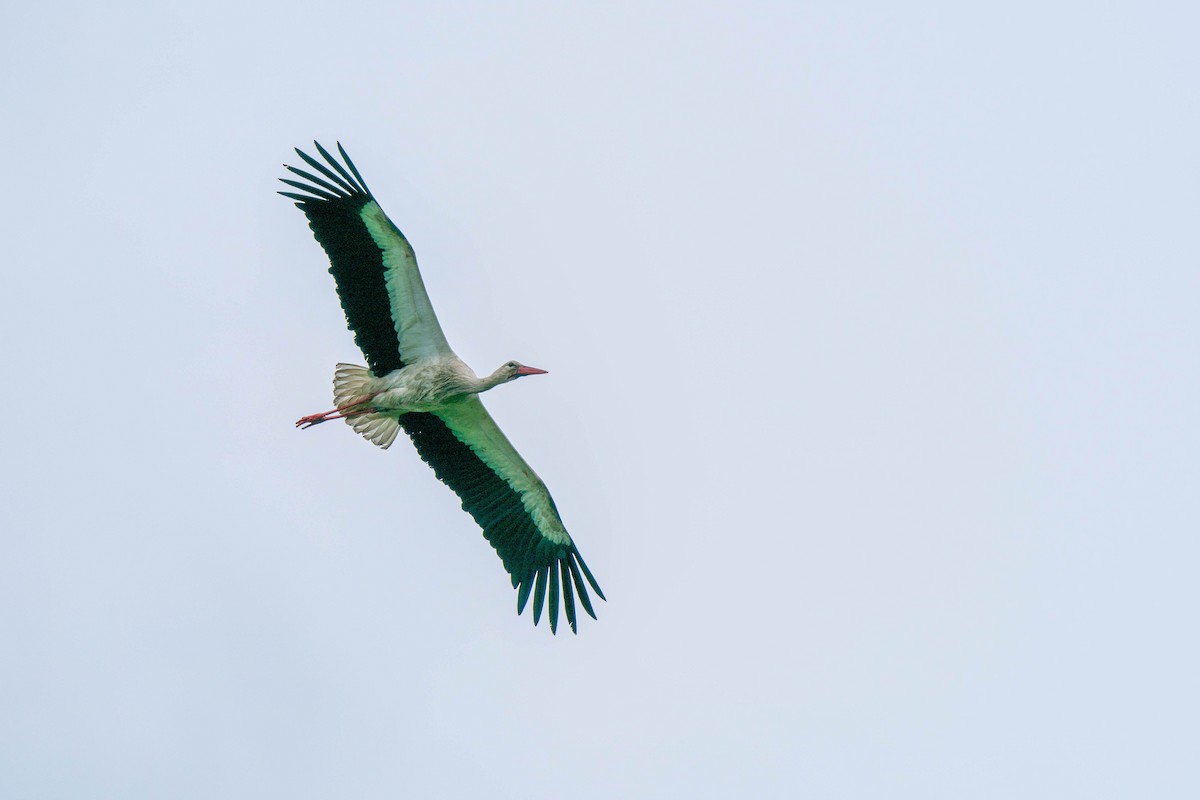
<point>515,369</point>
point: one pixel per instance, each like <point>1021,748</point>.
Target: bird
<point>414,381</point>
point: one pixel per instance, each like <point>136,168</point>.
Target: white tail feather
<point>351,384</point>
<point>379,429</point>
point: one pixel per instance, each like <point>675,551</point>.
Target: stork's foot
<point>314,419</point>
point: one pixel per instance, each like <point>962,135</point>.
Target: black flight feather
<point>568,595</point>
<point>308,176</point>
<point>539,595</point>
<point>324,195</point>
<point>553,598</point>
<point>324,170</point>
<point>355,261</point>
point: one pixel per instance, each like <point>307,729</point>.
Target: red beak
<point>530,371</point>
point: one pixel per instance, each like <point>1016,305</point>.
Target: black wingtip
<point>354,169</point>
<point>333,162</point>
<point>304,187</point>
<point>568,594</point>
<point>553,599</point>
<point>341,177</point>
<point>539,595</point>
<point>560,582</point>
<point>580,587</point>
<point>301,199</point>
<point>337,191</point>
<point>523,594</point>
<point>588,573</point>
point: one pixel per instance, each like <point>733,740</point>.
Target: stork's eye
<point>512,365</point>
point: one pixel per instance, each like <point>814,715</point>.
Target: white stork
<point>416,382</point>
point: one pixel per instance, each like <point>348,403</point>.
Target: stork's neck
<point>491,381</point>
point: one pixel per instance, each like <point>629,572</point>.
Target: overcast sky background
<point>872,336</point>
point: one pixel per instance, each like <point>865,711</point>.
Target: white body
<point>424,386</point>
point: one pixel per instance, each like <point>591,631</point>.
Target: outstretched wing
<point>471,455</point>
<point>372,263</point>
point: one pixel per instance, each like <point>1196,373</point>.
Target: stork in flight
<point>415,381</point>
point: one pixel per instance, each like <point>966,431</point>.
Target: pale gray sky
<point>873,340</point>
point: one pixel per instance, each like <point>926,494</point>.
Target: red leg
<point>336,413</point>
